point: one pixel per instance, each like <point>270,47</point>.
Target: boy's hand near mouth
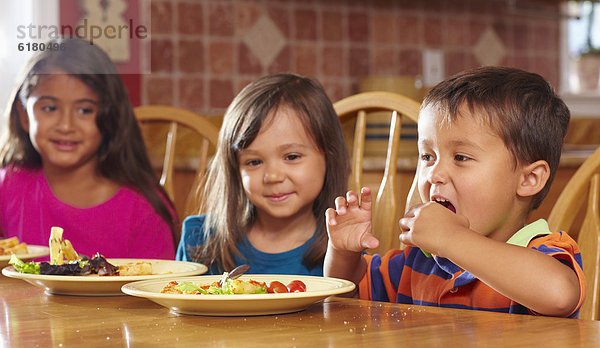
<point>420,227</point>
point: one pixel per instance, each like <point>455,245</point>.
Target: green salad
<point>230,287</point>
<point>24,267</point>
<point>82,266</point>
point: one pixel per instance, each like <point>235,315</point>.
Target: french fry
<point>20,248</point>
<point>9,242</point>
<point>60,248</point>
<point>135,268</point>
<point>12,246</point>
<point>68,250</point>
<point>56,256</point>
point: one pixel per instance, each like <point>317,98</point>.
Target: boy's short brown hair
<point>521,107</point>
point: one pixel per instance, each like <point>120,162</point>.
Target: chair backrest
<point>583,187</point>
<point>174,118</point>
<point>361,105</point>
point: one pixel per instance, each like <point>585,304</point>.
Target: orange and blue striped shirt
<point>408,276</point>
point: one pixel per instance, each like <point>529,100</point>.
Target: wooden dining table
<point>31,318</point>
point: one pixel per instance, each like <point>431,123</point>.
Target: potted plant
<point>589,60</point>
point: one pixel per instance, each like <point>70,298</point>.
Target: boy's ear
<point>23,118</point>
<point>533,178</point>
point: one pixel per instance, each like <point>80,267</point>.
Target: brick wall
<point>205,51</point>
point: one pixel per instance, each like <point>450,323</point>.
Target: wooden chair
<point>180,119</point>
<point>385,219</point>
<point>584,186</point>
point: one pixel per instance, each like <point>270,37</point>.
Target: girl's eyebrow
<point>46,97</point>
<point>280,147</point>
<point>287,146</point>
<point>86,100</point>
<point>83,100</point>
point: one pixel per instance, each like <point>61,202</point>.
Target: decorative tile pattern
<point>264,40</point>
<point>204,52</point>
<point>489,50</point>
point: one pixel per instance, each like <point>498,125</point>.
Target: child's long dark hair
<point>122,155</point>
<point>229,212</point>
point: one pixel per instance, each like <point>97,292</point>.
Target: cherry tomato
<point>296,286</point>
<point>277,287</point>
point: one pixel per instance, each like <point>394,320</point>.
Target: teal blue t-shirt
<point>289,262</point>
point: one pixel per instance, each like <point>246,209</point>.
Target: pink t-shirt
<point>125,226</point>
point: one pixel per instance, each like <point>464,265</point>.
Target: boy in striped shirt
<point>489,145</point>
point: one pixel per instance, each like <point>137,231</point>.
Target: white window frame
<point>16,13</point>
<point>581,105</point>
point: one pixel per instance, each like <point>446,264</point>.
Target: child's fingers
<point>407,221</point>
<point>411,212</point>
<point>352,199</point>
<point>340,205</point>
<point>403,223</point>
<point>369,241</point>
<point>406,238</point>
<point>330,216</point>
<point>365,198</point>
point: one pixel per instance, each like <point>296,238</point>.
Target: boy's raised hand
<point>430,226</point>
<point>349,224</point>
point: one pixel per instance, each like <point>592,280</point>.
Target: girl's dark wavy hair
<point>229,212</point>
<point>122,155</point>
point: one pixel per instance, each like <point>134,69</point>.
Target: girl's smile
<point>279,197</point>
<point>282,170</point>
<point>65,145</point>
<point>60,118</point>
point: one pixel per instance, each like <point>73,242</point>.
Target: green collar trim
<point>523,236</point>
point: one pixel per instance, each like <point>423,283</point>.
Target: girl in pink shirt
<point>74,157</point>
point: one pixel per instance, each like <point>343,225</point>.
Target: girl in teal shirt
<point>280,162</point>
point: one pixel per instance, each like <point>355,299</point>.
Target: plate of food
<point>251,294</point>
<point>24,251</point>
<point>93,284</point>
<point>68,273</point>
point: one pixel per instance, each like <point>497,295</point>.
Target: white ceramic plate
<point>317,288</point>
<point>33,252</point>
<point>94,285</point>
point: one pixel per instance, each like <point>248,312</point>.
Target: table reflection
<point>32,318</point>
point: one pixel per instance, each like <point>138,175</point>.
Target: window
<point>580,57</point>
<point>14,14</point>
<point>584,28</point>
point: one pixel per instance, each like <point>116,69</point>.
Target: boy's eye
<point>461,158</point>
<point>426,157</point>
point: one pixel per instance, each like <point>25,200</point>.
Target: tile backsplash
<point>203,52</point>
